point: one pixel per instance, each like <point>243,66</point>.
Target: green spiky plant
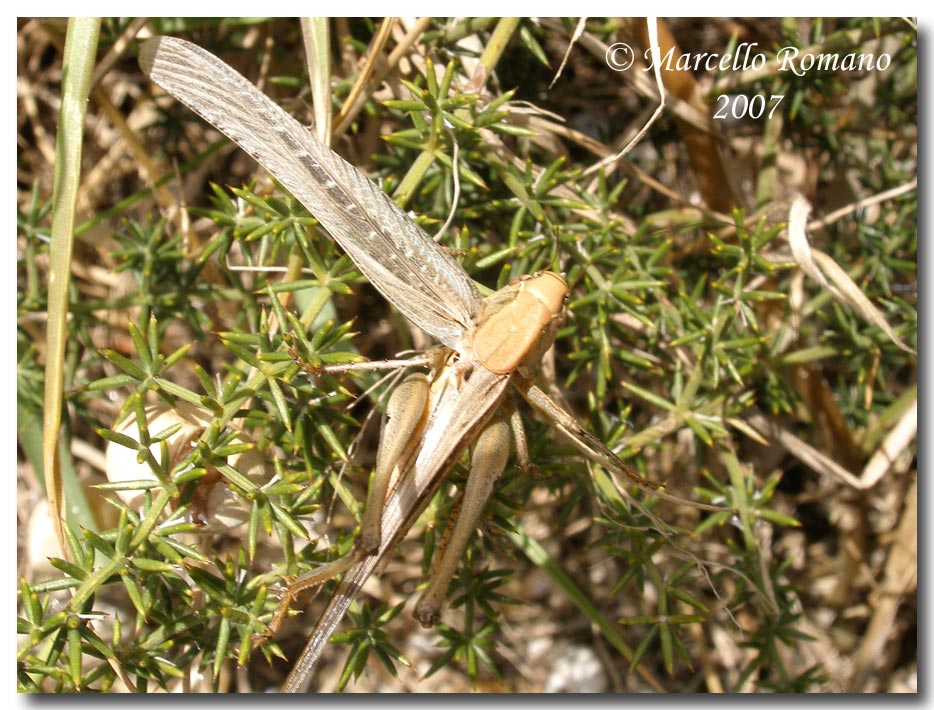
<point>688,329</point>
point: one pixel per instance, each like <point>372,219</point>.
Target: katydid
<point>489,344</point>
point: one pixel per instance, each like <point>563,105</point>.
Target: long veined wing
<point>404,264</point>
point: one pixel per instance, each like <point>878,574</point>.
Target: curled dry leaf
<point>828,273</point>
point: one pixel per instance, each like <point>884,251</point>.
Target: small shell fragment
<point>215,504</point>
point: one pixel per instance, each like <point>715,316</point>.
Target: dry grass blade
<point>318,54</point>
<point>895,445</point>
<point>900,580</point>
<point>350,110</point>
<point>578,31</point>
<point>801,450</point>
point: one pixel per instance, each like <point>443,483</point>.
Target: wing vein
<point>402,262</point>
